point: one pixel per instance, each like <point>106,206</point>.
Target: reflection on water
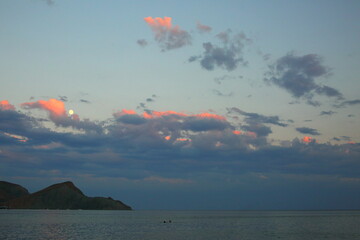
<point>77,224</point>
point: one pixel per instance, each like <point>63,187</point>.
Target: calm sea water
<point>80,224</point>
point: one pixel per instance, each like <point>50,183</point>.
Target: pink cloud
<point>55,107</point>
<point>168,36</point>
<point>203,28</point>
<point>5,105</point>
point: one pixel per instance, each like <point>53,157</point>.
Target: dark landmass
<point>58,196</point>
<point>10,191</point>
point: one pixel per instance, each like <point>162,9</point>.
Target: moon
<point>71,112</point>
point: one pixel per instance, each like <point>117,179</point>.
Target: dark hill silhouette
<point>64,196</point>
<point>10,191</point>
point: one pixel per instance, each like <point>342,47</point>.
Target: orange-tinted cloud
<point>55,107</point>
<point>17,137</point>
<point>210,115</point>
<point>183,139</point>
<point>236,132</point>
<point>168,36</point>
<point>125,112</point>
<point>158,22</point>
<point>5,105</point>
<point>251,134</point>
<point>307,139</point>
<point>156,114</point>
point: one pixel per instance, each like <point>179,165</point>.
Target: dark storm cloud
<point>227,56</point>
<point>306,130</point>
<point>298,74</point>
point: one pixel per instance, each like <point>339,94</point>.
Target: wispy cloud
<point>168,36</point>
<point>203,28</point>
<point>306,130</point>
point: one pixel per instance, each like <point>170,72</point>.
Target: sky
<point>177,105</point>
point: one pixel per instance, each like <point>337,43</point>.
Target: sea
<point>172,225</point>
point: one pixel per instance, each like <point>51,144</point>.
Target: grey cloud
<point>84,101</point>
<point>220,94</point>
<point>260,129</point>
<point>306,130</point>
<point>198,125</point>
<point>49,2</point>
<point>275,120</point>
<point>142,42</point>
<point>255,122</point>
<point>348,103</point>
<point>171,37</point>
<point>131,119</point>
<point>227,56</point>
<point>62,98</point>
<point>329,92</point>
<point>329,113</point>
<point>346,138</point>
<point>203,28</point>
<point>297,75</point>
<point>219,80</point>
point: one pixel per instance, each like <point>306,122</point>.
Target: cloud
<point>220,94</point>
<point>56,108</point>
<point>5,105</point>
<point>255,122</point>
<point>259,118</point>
<point>308,139</point>
<point>348,103</point>
<point>49,2</point>
<point>168,36</point>
<point>298,74</point>
<point>329,113</point>
<point>85,101</point>
<point>228,56</point>
<point>58,115</point>
<point>219,80</point>
<point>306,130</point>
<point>63,98</point>
<point>142,42</point>
<point>203,28</point>
<point>194,151</point>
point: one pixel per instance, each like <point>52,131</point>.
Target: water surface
<point>87,224</point>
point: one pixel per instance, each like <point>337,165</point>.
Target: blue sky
<point>230,104</point>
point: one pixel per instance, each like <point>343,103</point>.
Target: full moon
<point>71,112</point>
